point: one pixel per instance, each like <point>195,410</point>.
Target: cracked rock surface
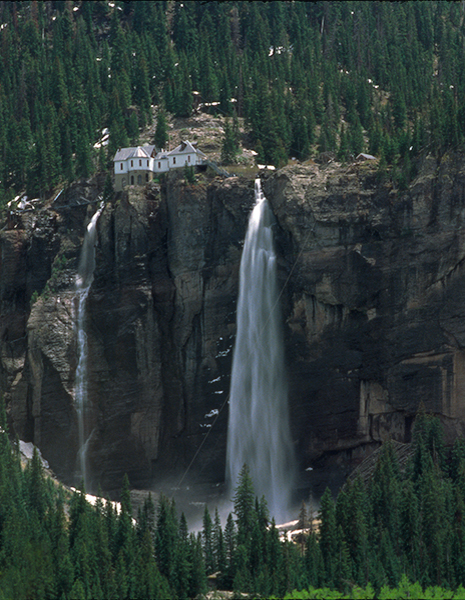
<point>373,307</point>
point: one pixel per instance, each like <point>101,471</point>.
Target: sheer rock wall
<point>373,305</point>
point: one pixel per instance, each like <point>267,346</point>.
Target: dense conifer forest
<point>401,532</point>
<point>308,77</point>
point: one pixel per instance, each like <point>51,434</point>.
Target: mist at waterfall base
<point>84,280</point>
<point>258,429</point>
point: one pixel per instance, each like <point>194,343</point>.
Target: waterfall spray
<point>84,280</point>
<point>258,430</point>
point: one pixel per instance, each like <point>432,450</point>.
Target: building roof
<point>363,156</point>
<point>150,150</point>
<point>137,152</point>
<point>186,148</point>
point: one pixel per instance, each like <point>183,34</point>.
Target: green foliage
<point>399,536</point>
<point>108,190</point>
<point>161,132</point>
<point>244,504</point>
<point>230,143</point>
<point>292,70</point>
<point>189,173</point>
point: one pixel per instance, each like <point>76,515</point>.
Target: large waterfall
<point>84,279</point>
<point>258,431</point>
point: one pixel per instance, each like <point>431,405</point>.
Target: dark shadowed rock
<point>372,304</point>
<point>373,286</point>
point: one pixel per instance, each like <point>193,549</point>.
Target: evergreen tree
<point>343,150</point>
<point>328,535</point>
<point>314,564</point>
<point>219,548</point>
<point>229,147</point>
<point>108,190</point>
<point>198,580</point>
<point>161,133</point>
<point>230,547</point>
<point>207,542</point>
<point>244,501</point>
<point>165,537</point>
<point>183,560</point>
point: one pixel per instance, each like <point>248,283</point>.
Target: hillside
<point>305,78</point>
<point>118,309</point>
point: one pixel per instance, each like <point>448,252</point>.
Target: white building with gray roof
<point>137,166</point>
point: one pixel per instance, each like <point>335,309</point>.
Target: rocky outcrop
<point>373,282</point>
<point>160,327</point>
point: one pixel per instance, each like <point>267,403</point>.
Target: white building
<point>136,166</point>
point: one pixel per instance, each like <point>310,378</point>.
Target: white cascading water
<point>258,430</point>
<point>84,279</point>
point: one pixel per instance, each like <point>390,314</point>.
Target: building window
<point>174,160</point>
<point>140,163</point>
<point>132,179</point>
<point>159,165</point>
<point>132,163</point>
<point>146,177</point>
<point>121,166</point>
<point>189,158</point>
<point>139,179</point>
<point>123,182</point>
<point>147,163</point>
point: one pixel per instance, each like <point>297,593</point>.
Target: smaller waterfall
<point>84,280</point>
<point>258,430</point>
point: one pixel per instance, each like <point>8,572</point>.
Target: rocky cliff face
<point>374,303</point>
<point>373,288</point>
<point>160,327</point>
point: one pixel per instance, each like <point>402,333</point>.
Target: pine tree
<point>207,542</point>
<point>125,540</point>
<point>63,567</point>
<point>229,147</point>
<point>230,547</point>
<point>410,529</point>
<point>35,485</point>
<point>219,548</point>
<point>198,580</point>
<point>343,150</point>
<point>133,128</point>
<point>182,103</point>
<point>244,500</point>
<point>183,565</point>
<point>165,537</point>
<point>161,133</point>
<point>356,141</point>
<point>328,535</point>
<point>314,564</point>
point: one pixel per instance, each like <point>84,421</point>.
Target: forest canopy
<point>382,77</point>
<point>398,534</point>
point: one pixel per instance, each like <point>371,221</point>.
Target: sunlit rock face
<point>372,303</point>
